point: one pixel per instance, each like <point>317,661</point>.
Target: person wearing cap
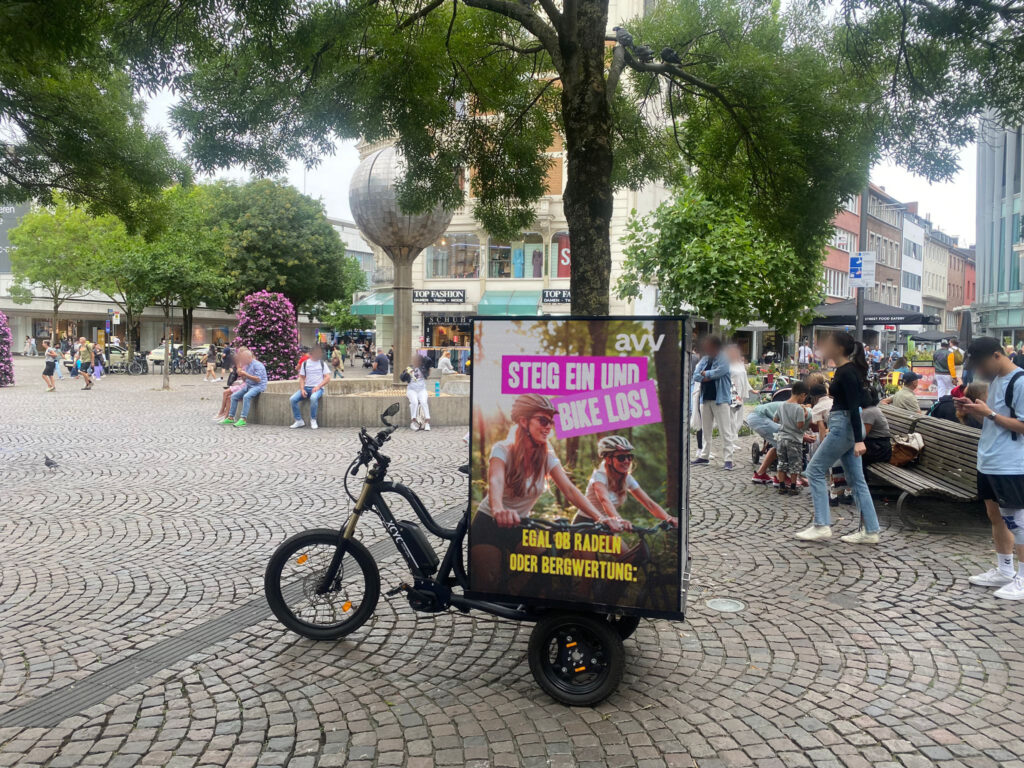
<point>1000,462</point>
<point>906,396</point>
<point>944,361</point>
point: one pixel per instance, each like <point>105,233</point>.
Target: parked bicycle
<point>324,584</point>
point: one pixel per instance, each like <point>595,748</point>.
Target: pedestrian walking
<point>85,358</point>
<point>211,363</point>
<point>49,366</point>
<point>712,373</point>
<point>1000,463</point>
<point>844,443</point>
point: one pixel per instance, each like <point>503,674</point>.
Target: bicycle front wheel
<point>294,580</point>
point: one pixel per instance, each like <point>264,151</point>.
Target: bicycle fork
<point>346,534</point>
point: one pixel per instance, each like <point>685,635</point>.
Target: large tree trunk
<point>587,201</point>
<point>53,323</point>
<point>186,327</point>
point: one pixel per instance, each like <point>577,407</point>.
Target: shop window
<point>561,255</point>
<point>455,256</point>
<point>517,259</point>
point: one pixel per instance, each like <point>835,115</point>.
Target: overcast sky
<point>950,205</point>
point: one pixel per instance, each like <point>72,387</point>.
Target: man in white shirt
<point>805,355</point>
<point>1000,463</point>
<point>314,374</point>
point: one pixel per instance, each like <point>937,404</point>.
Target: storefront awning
<point>845,313</point>
<point>509,303</point>
<point>376,303</point>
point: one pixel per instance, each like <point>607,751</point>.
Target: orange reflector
<point>346,606</point>
<point>302,559</point>
<point>579,669</point>
<point>571,645</point>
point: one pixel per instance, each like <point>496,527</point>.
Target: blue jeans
<point>314,402</point>
<point>764,426</point>
<point>838,446</point>
<point>246,396</point>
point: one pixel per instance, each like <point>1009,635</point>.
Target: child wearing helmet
<point>613,479</point>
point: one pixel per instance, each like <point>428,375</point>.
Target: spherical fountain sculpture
<point>373,197</point>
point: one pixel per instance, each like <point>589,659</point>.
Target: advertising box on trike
<point>577,514</point>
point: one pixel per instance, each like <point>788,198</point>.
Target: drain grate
<point>50,709</point>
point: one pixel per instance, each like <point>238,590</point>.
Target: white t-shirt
<point>617,499</point>
<point>314,371</point>
<point>821,409</point>
<point>806,354</point>
<point>998,452</point>
<point>523,505</point>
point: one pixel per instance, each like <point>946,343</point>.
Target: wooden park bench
<point>901,421</point>
<point>945,467</point>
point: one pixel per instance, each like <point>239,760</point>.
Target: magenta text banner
<point>607,410</point>
<point>549,375</point>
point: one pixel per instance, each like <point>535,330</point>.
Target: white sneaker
<point>427,426</point>
<point>297,425</point>
<point>993,577</point>
<point>313,424</point>
<point>414,426</point>
<point>860,537</point>
<point>814,532</point>
<point>1014,590</point>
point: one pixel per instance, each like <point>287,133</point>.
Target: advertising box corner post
<point>578,493</point>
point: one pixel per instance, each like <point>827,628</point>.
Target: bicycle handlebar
<point>563,525</point>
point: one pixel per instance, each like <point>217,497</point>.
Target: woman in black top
<point>844,442</point>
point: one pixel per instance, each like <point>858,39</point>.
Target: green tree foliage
<point>55,246</point>
<point>716,259</point>
<point>337,315</point>
<point>753,95</point>
<point>187,257</point>
<point>280,240</point>
<point>72,122</point>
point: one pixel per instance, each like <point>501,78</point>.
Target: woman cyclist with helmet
<point>613,479</point>
<point>517,476</point>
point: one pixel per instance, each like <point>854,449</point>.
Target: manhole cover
<point>724,604</point>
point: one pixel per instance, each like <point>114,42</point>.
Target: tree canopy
<point>278,239</point>
<point>713,257</point>
<point>73,123</point>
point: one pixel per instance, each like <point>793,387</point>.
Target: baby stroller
<point>773,384</point>
<point>762,446</point>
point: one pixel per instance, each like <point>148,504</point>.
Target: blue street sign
<point>856,267</point>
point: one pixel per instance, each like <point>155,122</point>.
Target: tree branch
<point>614,71</point>
<point>526,16</point>
<point>421,13</point>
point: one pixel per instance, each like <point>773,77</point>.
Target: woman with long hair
<point>517,476</point>
<point>613,479</point>
<point>844,443</point>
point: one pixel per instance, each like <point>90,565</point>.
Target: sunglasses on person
<point>544,421</point>
<point>626,457</point>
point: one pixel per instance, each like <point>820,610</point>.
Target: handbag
<point>906,449</point>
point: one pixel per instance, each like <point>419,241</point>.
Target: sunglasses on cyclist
<point>627,457</point>
<point>544,421</point>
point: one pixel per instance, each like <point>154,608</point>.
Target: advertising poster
<point>926,387</point>
<point>578,495</point>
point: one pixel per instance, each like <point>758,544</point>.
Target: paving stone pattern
<point>158,521</point>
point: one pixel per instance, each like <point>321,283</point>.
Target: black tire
<point>576,658</point>
<point>755,453</point>
<point>357,566</point>
<point>624,625</point>
<point>134,368</point>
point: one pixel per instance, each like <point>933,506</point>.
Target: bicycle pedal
<point>396,590</point>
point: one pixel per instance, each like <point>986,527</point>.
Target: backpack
<point>958,356</point>
<point>1009,399</point>
<point>323,367</point>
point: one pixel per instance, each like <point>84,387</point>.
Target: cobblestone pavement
<point>157,524</point>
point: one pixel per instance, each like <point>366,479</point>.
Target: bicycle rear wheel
<point>295,574</point>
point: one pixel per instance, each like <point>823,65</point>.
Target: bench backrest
<point>950,451</point>
<point>901,421</point>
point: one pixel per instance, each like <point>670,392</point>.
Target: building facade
<point>844,242</point>
<point>956,287</point>
<point>999,307</point>
<point>885,238</point>
<point>355,246</point>
<point>938,271</point>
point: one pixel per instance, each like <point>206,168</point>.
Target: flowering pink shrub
<point>6,361</point>
<point>267,326</point>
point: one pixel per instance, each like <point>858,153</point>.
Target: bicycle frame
<point>430,593</point>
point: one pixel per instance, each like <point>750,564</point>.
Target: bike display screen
<point>577,449</point>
